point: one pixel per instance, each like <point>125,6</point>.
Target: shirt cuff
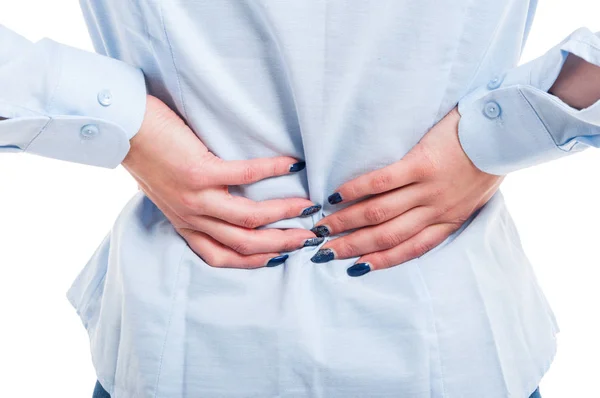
<point>79,106</point>
<point>513,122</point>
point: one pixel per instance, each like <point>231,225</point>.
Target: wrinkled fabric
<point>50,95</point>
<point>349,86</point>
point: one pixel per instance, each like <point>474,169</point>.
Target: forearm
<point>536,112</point>
<point>578,84</point>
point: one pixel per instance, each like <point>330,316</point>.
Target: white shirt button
<point>89,131</point>
<point>495,82</point>
<point>491,110</point>
<point>105,98</point>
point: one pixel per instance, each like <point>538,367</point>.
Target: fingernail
<point>310,210</point>
<point>313,242</point>
<point>321,231</point>
<point>323,256</point>
<point>297,167</point>
<point>275,261</point>
<point>334,198</point>
<point>359,269</point>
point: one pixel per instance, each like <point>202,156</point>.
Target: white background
<point>54,214</point>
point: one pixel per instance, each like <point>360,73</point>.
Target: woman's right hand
<point>190,185</point>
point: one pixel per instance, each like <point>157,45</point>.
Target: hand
<point>189,184</point>
<point>418,202</point>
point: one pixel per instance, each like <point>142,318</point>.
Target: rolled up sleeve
<point>67,104</point>
<point>513,122</point>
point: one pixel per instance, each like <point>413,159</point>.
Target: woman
<point>351,90</point>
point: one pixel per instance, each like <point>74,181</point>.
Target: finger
<point>372,211</point>
<point>377,238</point>
<point>250,214</point>
<point>391,177</point>
<point>253,241</point>
<point>241,172</point>
<point>415,247</point>
<point>216,254</point>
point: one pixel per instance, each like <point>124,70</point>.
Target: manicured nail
<point>297,167</point>
<point>334,198</point>
<point>313,242</point>
<point>310,210</point>
<point>321,231</point>
<point>275,261</point>
<point>359,269</point>
<point>323,256</point>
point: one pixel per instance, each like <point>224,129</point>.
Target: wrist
<point>150,123</point>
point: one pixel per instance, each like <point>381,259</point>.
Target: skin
<point>419,201</point>
<point>578,84</point>
<point>411,206</point>
<point>190,185</point>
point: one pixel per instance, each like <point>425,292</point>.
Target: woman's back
<point>349,86</point>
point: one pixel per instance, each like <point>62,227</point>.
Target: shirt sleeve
<point>513,122</point>
<point>67,104</point>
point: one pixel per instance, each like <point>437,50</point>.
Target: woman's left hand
<point>418,202</point>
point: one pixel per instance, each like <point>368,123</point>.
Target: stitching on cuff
<point>586,44</point>
<point>38,134</point>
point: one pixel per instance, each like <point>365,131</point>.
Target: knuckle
<point>427,166</point>
<point>388,240</point>
<point>242,247</point>
<point>339,222</point>
<point>419,248</point>
<point>188,200</point>
<point>436,193</point>
<point>427,170</point>
<point>194,174</point>
<point>251,221</point>
<point>345,248</point>
<point>379,260</point>
<point>375,215</point>
<point>443,211</point>
<point>249,174</point>
<point>350,190</point>
<point>214,259</point>
<point>382,181</point>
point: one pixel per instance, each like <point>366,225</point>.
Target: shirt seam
<point>481,60</point>
<point>586,44</point>
<point>172,53</point>
<point>38,134</point>
<point>454,56</point>
<point>171,310</point>
<point>435,332</point>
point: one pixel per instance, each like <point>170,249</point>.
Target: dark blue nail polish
<point>313,242</point>
<point>323,256</point>
<point>321,231</point>
<point>275,261</point>
<point>310,210</point>
<point>297,167</point>
<point>359,269</point>
<point>334,198</point>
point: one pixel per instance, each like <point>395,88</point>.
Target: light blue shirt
<point>349,86</point>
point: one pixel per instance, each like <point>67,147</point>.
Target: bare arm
<point>578,84</point>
